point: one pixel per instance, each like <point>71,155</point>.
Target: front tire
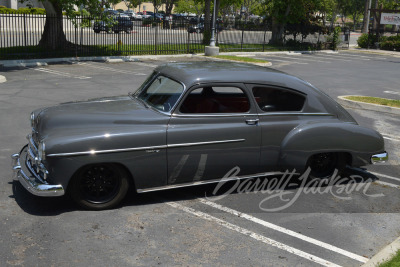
<point>99,186</point>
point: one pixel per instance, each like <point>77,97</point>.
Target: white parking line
<point>285,231</point>
<point>385,176</point>
<point>253,235</point>
<point>358,56</point>
<point>390,138</point>
<point>387,184</point>
<point>110,69</point>
<point>145,64</point>
<point>302,57</point>
<point>392,92</point>
<point>292,62</point>
<point>59,73</point>
<point>332,57</point>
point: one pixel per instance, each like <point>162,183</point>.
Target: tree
<point>53,36</point>
<point>283,12</point>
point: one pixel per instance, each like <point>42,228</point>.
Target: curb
<point>361,105</point>
<point>2,79</point>
<point>231,60</point>
<point>119,59</point>
<point>385,254</point>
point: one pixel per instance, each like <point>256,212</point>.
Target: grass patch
<point>242,59</point>
<point>376,100</point>
<point>394,262</point>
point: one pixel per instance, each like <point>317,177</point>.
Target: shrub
<point>365,40</point>
<point>22,10</point>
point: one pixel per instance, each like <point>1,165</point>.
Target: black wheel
<point>96,31</point>
<point>323,165</point>
<point>116,31</point>
<point>99,186</point>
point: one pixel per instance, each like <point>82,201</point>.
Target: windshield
<point>162,93</point>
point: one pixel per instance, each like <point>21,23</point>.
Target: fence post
<point>265,33</point>
<point>76,38</point>
<point>188,41</point>
<point>241,43</point>
<point>119,43</point>
<point>156,40</point>
<point>25,30</point>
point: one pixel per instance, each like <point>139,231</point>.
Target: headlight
<point>42,151</point>
<point>32,119</point>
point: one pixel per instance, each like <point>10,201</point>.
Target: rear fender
<point>309,139</point>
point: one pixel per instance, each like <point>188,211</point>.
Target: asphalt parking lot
<point>198,226</point>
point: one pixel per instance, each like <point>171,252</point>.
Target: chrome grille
<point>34,163</point>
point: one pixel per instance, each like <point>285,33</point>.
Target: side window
<point>216,100</point>
<point>274,99</point>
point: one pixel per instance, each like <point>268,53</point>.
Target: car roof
<point>191,73</point>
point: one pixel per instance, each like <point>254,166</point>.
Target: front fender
<point>308,139</point>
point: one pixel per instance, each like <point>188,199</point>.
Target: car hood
<point>93,115</point>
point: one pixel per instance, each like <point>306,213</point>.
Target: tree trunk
<point>375,22</point>
<point>53,36</point>
<point>207,16</point>
<point>278,28</point>
<point>168,7</point>
<point>366,18</point>
<point>207,24</point>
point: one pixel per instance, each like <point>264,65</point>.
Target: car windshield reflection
<point>162,94</point>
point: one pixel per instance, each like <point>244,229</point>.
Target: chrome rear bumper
<point>379,158</point>
<point>29,180</point>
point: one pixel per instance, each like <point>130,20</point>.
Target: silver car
<point>190,124</point>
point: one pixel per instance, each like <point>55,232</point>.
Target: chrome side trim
<point>205,143</point>
<point>166,187</point>
<point>295,114</point>
<point>213,115</point>
<point>252,114</point>
<point>94,152</point>
<point>379,158</point>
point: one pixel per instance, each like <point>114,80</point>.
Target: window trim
<point>176,112</point>
<point>261,112</point>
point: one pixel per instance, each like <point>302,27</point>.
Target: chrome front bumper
<point>379,158</point>
<point>29,179</point>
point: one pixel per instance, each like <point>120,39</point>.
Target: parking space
<point>298,223</point>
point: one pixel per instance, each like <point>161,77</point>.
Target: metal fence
<point>20,35</point>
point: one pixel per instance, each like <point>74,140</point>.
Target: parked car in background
<point>143,15</point>
<point>189,124</point>
<point>122,23</point>
<point>199,28</point>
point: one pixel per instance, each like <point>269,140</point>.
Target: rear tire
<point>323,165</point>
<point>99,186</point>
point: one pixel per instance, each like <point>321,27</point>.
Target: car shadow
<point>53,206</point>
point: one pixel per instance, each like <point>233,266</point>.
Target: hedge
<point>22,10</point>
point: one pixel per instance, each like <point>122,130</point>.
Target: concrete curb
<point>384,255</point>
<point>119,59</point>
<point>376,51</point>
<point>230,60</point>
<point>361,105</point>
<point>2,79</point>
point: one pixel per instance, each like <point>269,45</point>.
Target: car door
<point>213,133</point>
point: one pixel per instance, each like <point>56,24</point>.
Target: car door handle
<point>252,121</point>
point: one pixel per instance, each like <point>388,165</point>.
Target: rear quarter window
<point>271,99</point>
